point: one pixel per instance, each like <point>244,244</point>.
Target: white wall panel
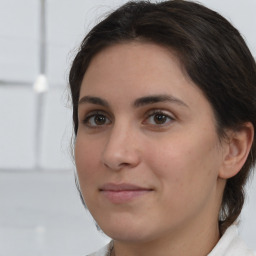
<point>56,131</point>
<point>58,63</point>
<point>19,18</point>
<point>67,24</point>
<point>19,25</point>
<point>19,59</point>
<point>17,127</point>
<point>41,215</point>
<point>248,220</point>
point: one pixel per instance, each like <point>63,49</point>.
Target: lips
<point>122,193</point>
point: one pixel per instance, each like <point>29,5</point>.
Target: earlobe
<point>237,150</point>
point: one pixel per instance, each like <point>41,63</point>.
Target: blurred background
<point>40,210</point>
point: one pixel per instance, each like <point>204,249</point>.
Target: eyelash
<point>93,115</point>
<point>149,115</point>
<point>153,113</point>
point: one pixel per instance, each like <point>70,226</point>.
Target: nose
<point>121,149</point>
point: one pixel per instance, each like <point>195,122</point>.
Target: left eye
<point>159,118</point>
<point>97,120</point>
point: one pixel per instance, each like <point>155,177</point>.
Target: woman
<point>164,114</point>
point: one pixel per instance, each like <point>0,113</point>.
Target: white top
<point>230,244</point>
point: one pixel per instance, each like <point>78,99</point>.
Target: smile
<point>122,193</point>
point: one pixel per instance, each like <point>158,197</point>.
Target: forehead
<point>137,69</point>
<point>133,63</point>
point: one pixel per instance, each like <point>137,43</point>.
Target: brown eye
<point>96,120</point>
<point>160,118</point>
<point>99,119</point>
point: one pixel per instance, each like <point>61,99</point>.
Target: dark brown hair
<point>213,54</point>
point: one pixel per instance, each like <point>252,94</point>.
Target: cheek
<point>186,174</point>
<point>87,160</point>
<point>186,162</point>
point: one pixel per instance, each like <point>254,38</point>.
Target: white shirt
<point>230,244</point>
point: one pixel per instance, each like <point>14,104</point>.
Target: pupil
<point>160,119</point>
<point>100,120</point>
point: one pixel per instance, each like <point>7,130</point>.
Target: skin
<point>175,155</point>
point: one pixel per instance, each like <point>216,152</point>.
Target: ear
<point>236,151</point>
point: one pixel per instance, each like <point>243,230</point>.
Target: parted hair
<point>213,54</point>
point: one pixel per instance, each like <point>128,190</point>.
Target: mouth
<point>123,193</point>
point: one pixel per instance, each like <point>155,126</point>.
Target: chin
<point>128,232</point>
<point>120,230</point>
<point>127,236</point>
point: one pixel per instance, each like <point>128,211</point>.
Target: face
<point>147,152</point>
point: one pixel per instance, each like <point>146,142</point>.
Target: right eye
<point>96,120</point>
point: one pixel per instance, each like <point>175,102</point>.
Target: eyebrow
<point>156,99</point>
<point>147,100</point>
<point>93,100</point>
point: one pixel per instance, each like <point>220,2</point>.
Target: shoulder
<point>231,244</point>
<point>105,251</point>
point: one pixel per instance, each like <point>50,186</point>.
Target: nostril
<point>124,164</point>
<point>116,166</point>
<point>120,153</point>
